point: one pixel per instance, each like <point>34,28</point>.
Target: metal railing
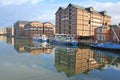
<point>115,35</point>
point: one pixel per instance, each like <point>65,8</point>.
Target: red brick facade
<point>38,28</point>
<point>111,33</point>
<point>79,21</point>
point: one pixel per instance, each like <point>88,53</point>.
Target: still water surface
<point>30,60</point>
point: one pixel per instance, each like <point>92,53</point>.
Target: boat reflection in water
<point>62,63</point>
<point>37,48</point>
<point>33,47</point>
<point>73,61</point>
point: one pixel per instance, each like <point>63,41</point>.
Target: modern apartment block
<point>19,28</point>
<point>80,21</point>
<point>37,28</point>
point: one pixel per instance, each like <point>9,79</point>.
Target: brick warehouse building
<point>102,34</point>
<point>80,21</point>
<point>19,28</point>
<point>33,28</point>
<point>111,33</point>
<point>36,27</point>
<point>48,29</point>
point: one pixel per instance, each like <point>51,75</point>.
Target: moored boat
<point>41,38</point>
<point>106,46</point>
<point>65,39</point>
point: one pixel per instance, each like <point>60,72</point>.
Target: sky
<point>44,10</point>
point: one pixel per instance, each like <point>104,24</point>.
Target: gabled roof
<point>80,7</point>
<point>60,8</point>
<point>83,8</point>
<point>35,21</point>
<point>23,22</point>
<point>47,22</point>
<point>31,22</point>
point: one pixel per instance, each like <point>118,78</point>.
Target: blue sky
<point>44,10</point>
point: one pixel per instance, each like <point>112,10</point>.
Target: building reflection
<point>37,48</point>
<point>2,38</point>
<point>74,61</point>
<point>112,58</point>
<point>19,45</point>
<point>33,47</point>
<point>9,40</point>
<point>28,46</point>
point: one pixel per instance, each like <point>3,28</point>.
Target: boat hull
<point>104,48</point>
<point>41,40</point>
<point>74,43</point>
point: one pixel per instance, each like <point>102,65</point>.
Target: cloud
<point>12,13</point>
<point>18,2</point>
<point>26,10</point>
<point>52,0</point>
<point>9,2</point>
<point>36,1</point>
<point>111,8</point>
<point>46,18</point>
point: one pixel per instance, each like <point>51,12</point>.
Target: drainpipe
<point>43,28</point>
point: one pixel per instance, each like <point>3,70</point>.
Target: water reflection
<point>2,38</point>
<point>30,46</point>
<point>33,47</point>
<point>63,63</point>
<point>19,45</point>
<point>112,58</point>
<point>37,48</point>
<point>73,61</point>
